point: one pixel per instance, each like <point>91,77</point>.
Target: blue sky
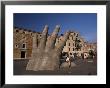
<point>84,23</point>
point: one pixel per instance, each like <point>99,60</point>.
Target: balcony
<point>23,49</point>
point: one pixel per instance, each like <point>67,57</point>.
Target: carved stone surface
<point>46,56</point>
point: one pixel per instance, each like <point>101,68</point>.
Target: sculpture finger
<point>43,38</point>
<point>62,42</point>
<point>52,39</point>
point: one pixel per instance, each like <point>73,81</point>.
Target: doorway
<point>23,54</point>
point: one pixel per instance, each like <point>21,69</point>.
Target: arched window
<point>69,49</point>
<point>73,49</point>
<point>24,45</point>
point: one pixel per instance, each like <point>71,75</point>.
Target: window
<point>73,49</point>
<point>24,37</point>
<point>73,44</point>
<point>77,35</point>
<point>61,34</point>
<point>17,30</point>
<point>40,36</point>
<point>74,34</point>
<point>76,49</point>
<point>24,46</point>
<point>37,42</point>
<point>70,53</point>
<point>69,49</point>
<point>76,39</point>
<point>69,44</point>
<point>23,32</point>
<point>16,46</point>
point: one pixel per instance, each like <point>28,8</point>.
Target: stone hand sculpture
<point>47,55</point>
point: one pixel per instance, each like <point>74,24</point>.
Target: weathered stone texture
<point>21,36</point>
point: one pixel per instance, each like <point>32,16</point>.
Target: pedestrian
<point>85,56</point>
<point>71,57</point>
<point>68,61</point>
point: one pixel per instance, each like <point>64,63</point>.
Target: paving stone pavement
<point>81,68</point>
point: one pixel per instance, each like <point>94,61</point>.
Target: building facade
<point>74,44</point>
<point>23,43</point>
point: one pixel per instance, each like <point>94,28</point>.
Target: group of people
<point>68,59</point>
<point>72,57</point>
